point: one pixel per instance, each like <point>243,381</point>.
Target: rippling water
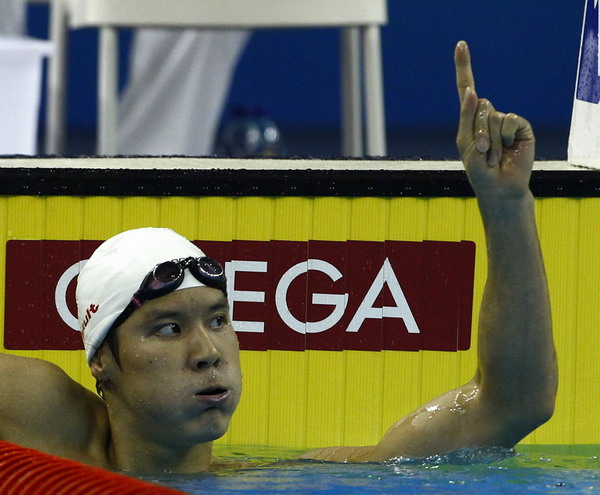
<point>552,469</point>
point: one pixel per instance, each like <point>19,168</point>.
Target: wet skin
<point>177,381</point>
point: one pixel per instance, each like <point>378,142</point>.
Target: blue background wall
<point>525,60</point>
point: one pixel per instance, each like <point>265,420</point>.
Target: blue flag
<point>584,138</point>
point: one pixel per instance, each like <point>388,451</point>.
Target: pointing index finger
<point>464,73</point>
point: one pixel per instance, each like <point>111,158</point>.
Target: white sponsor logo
<point>339,302</point>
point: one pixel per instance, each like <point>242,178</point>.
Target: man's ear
<point>100,364</point>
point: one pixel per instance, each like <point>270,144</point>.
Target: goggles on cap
<point>166,277</point>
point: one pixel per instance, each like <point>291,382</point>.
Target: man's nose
<point>203,351</point>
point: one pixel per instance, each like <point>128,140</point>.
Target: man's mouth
<point>209,391</point>
<point>213,395</point>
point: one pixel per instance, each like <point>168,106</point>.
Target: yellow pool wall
<point>317,398</point>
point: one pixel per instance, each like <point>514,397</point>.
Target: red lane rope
<point>26,471</point>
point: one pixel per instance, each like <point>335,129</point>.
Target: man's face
<point>179,376</point>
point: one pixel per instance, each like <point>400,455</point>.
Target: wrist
<point>506,207</point>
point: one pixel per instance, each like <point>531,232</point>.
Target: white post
<point>54,142</point>
<point>107,91</point>
<point>352,132</point>
<point>374,106</point>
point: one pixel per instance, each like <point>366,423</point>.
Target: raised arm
<point>514,386</point>
<point>517,372</point>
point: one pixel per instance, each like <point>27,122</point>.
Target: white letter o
<point>60,294</point>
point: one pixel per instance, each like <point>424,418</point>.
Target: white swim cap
<point>114,273</point>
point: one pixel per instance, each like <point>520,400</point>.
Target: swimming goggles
<point>167,276</point>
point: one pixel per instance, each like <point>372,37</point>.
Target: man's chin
<point>212,429</point>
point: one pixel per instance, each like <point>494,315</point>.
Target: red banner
<point>284,295</point>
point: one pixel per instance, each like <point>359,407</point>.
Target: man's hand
<point>497,149</point>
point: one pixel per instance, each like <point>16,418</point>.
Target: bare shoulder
<point>23,376</point>
<point>42,407</point>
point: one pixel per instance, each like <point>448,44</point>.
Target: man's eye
<point>218,322</point>
<point>169,329</point>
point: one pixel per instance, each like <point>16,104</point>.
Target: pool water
<point>531,469</point>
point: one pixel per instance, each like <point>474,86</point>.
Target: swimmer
<point>160,343</point>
